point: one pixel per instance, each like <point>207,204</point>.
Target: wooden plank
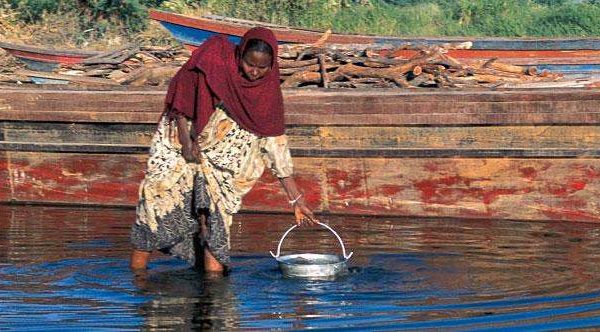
<point>343,153</point>
<point>76,178</point>
<point>509,188</point>
<point>5,176</point>
<point>316,107</point>
<point>88,133</point>
<point>70,78</point>
<point>559,189</point>
<point>346,186</point>
<point>328,137</point>
<point>461,137</point>
<point>329,141</point>
<point>268,195</point>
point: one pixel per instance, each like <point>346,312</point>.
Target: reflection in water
<point>64,268</point>
<point>184,298</point>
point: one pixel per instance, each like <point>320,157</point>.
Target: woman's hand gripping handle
<point>189,146</point>
<point>302,213</point>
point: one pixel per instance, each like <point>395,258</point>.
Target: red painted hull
<point>192,31</point>
<point>47,55</point>
<point>527,155</point>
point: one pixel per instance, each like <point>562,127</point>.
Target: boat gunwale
<point>47,51</point>
<point>237,25</point>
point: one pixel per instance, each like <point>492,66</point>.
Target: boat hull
<point>530,155</point>
<point>568,56</point>
<point>44,59</point>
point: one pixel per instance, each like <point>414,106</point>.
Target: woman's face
<point>255,65</point>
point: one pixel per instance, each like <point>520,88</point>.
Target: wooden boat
<point>45,59</point>
<point>505,154</point>
<point>571,56</point>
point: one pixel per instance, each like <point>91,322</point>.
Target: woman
<point>223,124</point>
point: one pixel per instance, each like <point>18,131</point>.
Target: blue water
<point>67,269</point>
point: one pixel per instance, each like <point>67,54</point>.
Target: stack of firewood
<point>315,65</point>
<point>365,67</point>
<point>130,65</point>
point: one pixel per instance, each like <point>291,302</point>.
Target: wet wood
<point>499,188</point>
<point>531,155</point>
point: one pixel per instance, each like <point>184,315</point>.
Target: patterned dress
<point>174,192</point>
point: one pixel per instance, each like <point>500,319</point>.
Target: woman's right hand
<point>190,152</point>
<point>303,214</point>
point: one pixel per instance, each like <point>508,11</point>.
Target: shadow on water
<point>67,269</point>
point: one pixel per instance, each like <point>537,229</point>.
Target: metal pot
<point>312,265</point>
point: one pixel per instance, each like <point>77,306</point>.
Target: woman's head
<point>257,53</point>
<point>257,59</point>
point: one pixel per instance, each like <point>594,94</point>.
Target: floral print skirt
<point>173,197</point>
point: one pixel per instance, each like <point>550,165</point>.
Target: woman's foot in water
<point>212,265</point>
<point>139,260</point>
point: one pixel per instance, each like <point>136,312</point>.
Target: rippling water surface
<point>67,269</point>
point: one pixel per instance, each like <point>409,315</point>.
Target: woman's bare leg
<point>211,264</point>
<point>139,259</point>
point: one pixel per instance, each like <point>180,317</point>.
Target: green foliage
<point>91,14</point>
<point>511,18</point>
<point>582,20</point>
<point>88,20</point>
<point>32,10</point>
<point>130,12</point>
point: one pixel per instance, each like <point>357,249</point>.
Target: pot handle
<point>320,223</point>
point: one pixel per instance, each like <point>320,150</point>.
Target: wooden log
<point>495,64</point>
<point>290,71</point>
<point>316,67</point>
<point>71,78</point>
<point>308,77</point>
<point>395,74</point>
<point>417,70</point>
<point>375,62</point>
<point>283,64</point>
<point>484,78</point>
<point>323,70</point>
<point>301,78</point>
<point>12,78</point>
<point>98,72</point>
<point>114,57</point>
<point>424,79</point>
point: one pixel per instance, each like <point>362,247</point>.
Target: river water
<point>67,269</point>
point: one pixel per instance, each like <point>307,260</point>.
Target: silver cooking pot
<point>312,265</point>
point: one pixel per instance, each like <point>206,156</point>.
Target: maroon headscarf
<point>212,75</point>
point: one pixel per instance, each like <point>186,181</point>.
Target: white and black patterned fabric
<point>178,232</point>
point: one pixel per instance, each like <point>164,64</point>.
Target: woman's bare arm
<point>301,211</point>
<point>189,148</point>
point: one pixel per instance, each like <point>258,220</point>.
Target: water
<point>66,269</point>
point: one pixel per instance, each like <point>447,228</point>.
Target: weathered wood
<point>74,178</point>
<point>531,154</point>
<point>302,77</point>
<point>317,107</point>
<point>323,71</point>
<point>495,64</point>
<point>284,64</point>
<point>71,78</point>
<point>528,189</point>
<point>77,133</point>
<point>6,190</point>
